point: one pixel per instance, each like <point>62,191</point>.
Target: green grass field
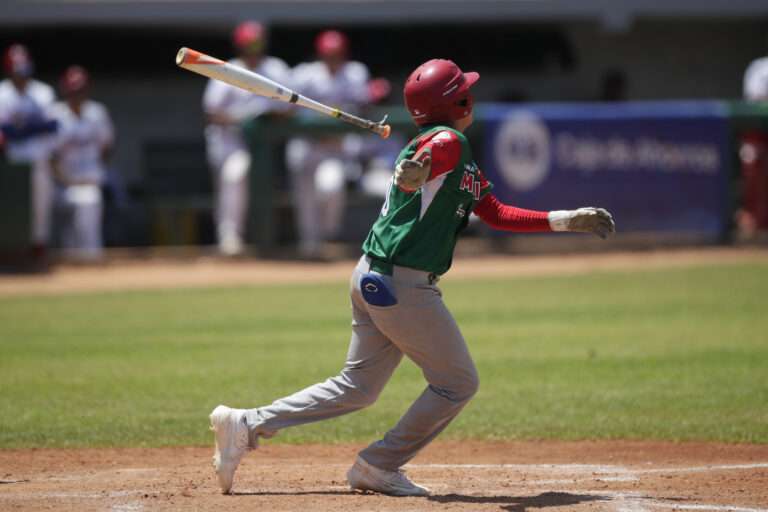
<point>673,354</point>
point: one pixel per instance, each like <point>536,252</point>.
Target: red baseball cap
<point>249,35</point>
<point>330,43</point>
<point>75,79</point>
<point>17,61</point>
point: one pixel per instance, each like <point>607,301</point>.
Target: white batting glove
<point>584,220</point>
<point>412,174</point>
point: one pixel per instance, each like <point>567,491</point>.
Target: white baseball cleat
<point>365,477</point>
<point>231,435</point>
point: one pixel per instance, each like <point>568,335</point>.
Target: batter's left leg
<point>423,328</point>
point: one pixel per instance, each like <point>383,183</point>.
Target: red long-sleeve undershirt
<point>510,218</point>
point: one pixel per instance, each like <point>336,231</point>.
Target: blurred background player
<point>226,109</point>
<point>26,132</point>
<point>753,153</point>
<point>319,165</point>
<point>79,160</point>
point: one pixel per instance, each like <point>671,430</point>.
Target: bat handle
<point>381,128</point>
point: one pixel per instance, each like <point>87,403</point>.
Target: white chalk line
<point>602,469</point>
<point>634,501</point>
<point>683,506</point>
<point>75,495</point>
<point>131,506</point>
<point>592,468</point>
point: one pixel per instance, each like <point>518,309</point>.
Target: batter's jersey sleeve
<point>506,217</point>
<point>444,148</point>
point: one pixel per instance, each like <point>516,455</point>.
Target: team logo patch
<point>376,291</point>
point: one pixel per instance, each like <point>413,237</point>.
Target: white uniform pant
<point>318,188</point>
<point>81,230</point>
<point>42,202</point>
<point>231,175</point>
<point>40,198</point>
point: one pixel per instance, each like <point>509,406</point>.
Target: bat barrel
<point>212,67</point>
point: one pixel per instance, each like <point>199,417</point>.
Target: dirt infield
<point>616,476</point>
<point>139,274</point>
<point>518,476</point>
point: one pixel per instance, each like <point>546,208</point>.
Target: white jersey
<point>347,88</point>
<point>81,140</point>
<point>756,80</point>
<point>30,105</point>
<point>240,105</point>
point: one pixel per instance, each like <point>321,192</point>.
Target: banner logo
<point>522,151</point>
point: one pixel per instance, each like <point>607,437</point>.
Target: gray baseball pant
<point>419,326</point>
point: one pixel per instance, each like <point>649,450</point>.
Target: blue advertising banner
<point>657,166</point>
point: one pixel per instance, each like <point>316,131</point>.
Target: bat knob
<point>383,129</point>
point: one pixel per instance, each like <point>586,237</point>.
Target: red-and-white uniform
<point>78,151</point>
<point>228,153</point>
<point>319,165</point>
<point>20,107</point>
<point>754,155</point>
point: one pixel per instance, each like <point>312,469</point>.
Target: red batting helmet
<point>438,91</point>
<point>75,79</point>
<point>17,61</point>
<point>331,42</point>
<point>249,35</point>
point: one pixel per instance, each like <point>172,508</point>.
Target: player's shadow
<point>522,503</point>
<point>510,503</point>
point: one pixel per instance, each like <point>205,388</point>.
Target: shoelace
<point>242,440</point>
<point>402,477</point>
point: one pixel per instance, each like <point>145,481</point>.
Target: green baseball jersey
<point>419,229</point>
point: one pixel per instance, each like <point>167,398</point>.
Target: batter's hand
<point>410,175</point>
<point>584,220</point>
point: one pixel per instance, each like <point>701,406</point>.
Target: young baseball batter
<point>397,309</point>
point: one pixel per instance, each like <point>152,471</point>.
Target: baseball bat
<point>217,69</point>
